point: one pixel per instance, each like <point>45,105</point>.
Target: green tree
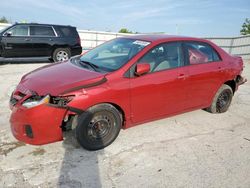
<point>3,20</point>
<point>124,30</point>
<point>245,27</point>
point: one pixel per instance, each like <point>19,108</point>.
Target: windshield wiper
<point>92,65</point>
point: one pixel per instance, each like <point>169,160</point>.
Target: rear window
<point>41,31</point>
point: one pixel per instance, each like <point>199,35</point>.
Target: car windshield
<point>1,30</point>
<point>113,54</point>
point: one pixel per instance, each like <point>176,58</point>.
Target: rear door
<point>17,42</point>
<point>43,39</point>
<point>205,73</point>
<point>162,91</point>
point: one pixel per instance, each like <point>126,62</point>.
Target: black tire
<point>221,100</point>
<point>61,54</point>
<point>98,127</point>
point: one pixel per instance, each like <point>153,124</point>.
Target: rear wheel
<point>222,100</point>
<point>61,54</point>
<point>98,127</point>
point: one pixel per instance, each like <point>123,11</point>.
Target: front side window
<point>112,55</point>
<point>19,30</point>
<point>164,56</point>
<point>41,31</point>
<point>199,53</point>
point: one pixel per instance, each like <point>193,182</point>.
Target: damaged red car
<point>122,83</point>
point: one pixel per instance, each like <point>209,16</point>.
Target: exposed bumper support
<point>240,80</point>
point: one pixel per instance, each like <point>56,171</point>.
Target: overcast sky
<point>189,17</point>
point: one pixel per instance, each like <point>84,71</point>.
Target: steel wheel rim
<point>62,56</point>
<point>223,100</point>
<point>100,126</point>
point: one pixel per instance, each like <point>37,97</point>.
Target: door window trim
<point>55,33</point>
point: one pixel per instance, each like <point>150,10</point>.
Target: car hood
<point>59,78</point>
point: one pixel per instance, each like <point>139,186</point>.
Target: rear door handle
<point>27,39</point>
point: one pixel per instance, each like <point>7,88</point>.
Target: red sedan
<point>122,83</point>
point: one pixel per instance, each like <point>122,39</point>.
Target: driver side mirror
<point>8,34</point>
<point>142,68</point>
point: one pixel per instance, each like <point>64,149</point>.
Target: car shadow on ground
<point>4,61</point>
<point>79,167</point>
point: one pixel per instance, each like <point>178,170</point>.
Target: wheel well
<point>69,124</point>
<point>121,112</point>
<point>232,84</point>
<point>56,46</point>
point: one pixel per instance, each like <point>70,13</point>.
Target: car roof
<point>162,37</point>
<point>42,24</point>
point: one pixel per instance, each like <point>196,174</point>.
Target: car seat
<point>170,59</point>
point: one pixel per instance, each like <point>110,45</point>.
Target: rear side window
<point>67,31</point>
<point>199,53</point>
<point>41,31</point>
<point>19,30</point>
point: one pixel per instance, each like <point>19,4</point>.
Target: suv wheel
<point>98,127</point>
<point>61,54</point>
<point>222,100</point>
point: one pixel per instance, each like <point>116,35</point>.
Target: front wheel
<point>221,100</point>
<point>98,127</point>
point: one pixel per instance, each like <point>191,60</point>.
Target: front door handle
<point>181,76</point>
<point>220,69</point>
<point>27,39</point>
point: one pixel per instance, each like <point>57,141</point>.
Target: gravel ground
<point>195,149</point>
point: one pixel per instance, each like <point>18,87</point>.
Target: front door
<point>17,42</point>
<point>162,91</point>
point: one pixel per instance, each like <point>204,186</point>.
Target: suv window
<point>41,31</point>
<point>200,53</point>
<point>66,31</point>
<point>19,30</point>
<point>164,56</point>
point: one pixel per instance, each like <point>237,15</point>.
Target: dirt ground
<point>195,149</point>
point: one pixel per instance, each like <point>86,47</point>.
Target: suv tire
<point>61,54</point>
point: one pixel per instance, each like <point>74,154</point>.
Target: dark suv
<point>57,42</point>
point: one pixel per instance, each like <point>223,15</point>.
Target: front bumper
<point>38,125</point>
